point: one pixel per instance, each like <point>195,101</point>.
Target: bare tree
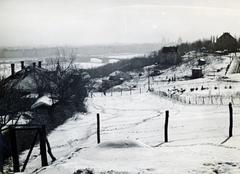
<point>12,105</point>
<point>62,81</point>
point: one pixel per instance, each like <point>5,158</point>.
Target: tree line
<point>210,45</point>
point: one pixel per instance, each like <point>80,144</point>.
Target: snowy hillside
<point>132,126</point>
<point>195,136</point>
<point>214,88</point>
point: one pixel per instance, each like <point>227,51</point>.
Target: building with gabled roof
<point>227,43</point>
<point>27,80</point>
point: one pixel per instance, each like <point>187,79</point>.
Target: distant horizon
<point>76,46</point>
<point>62,23</point>
<point>113,44</point>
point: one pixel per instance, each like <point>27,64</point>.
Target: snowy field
<point>132,126</point>
<point>214,88</point>
<point>5,67</point>
<point>96,61</point>
<point>132,138</point>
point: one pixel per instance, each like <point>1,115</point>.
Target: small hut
<point>201,62</point>
<point>197,73</point>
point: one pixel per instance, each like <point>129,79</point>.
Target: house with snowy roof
<point>28,80</point>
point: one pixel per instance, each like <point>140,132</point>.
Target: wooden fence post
<point>43,152</point>
<point>230,119</point>
<point>50,151</point>
<point>30,151</point>
<point>98,128</point>
<point>140,91</point>
<point>130,91</point>
<point>14,149</point>
<point>166,127</point>
<point>121,92</point>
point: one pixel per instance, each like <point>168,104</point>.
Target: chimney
<point>22,65</point>
<point>34,64</point>
<point>12,69</point>
<point>40,64</point>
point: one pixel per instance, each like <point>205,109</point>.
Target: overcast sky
<point>78,22</point>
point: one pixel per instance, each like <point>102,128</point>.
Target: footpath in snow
<point>132,138</point>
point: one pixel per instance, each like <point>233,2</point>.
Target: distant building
<point>170,55</point>
<point>201,62</point>
<point>197,73</point>
<point>119,76</point>
<point>226,43</point>
<point>172,49</point>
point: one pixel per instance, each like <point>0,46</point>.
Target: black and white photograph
<point>119,86</point>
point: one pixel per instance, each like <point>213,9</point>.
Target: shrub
<point>84,171</point>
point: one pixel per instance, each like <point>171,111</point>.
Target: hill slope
<point>195,136</point>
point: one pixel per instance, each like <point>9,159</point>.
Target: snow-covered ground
<point>132,135</point>
<point>132,127</point>
<point>5,67</point>
<point>214,88</point>
<point>96,61</point>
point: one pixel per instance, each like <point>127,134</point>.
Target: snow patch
<point>44,100</point>
<point>121,144</point>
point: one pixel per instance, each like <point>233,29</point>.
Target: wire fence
<point>158,128</point>
<point>187,99</point>
<point>202,100</point>
<point>197,99</point>
<point>119,92</point>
